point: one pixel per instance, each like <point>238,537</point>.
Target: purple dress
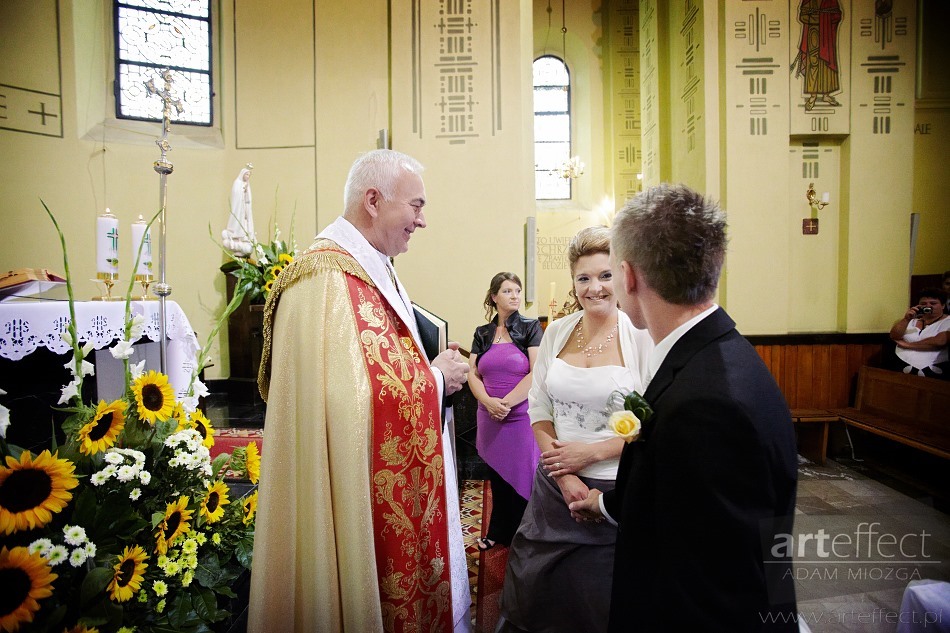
<point>508,446</point>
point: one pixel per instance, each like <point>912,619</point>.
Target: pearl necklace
<point>591,349</point>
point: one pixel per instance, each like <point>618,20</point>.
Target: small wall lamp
<point>813,201</point>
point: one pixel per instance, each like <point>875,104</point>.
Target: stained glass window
<point>152,35</point>
<point>552,128</point>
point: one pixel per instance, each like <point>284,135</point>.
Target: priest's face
<point>398,218</point>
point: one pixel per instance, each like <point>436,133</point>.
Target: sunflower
<point>253,463</point>
<point>104,429</point>
<point>285,258</point>
<point>268,285</point>
<point>175,524</point>
<point>250,507</point>
<point>179,414</point>
<point>212,507</point>
<point>27,578</point>
<point>32,490</point>
<point>274,271</point>
<point>203,426</point>
<point>129,573</point>
<point>154,397</point>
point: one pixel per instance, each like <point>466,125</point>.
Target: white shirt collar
<point>659,353</point>
<point>376,265</point>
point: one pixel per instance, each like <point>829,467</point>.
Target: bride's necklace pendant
<point>591,350</point>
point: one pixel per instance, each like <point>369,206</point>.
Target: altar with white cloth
<point>28,325</point>
<point>33,354</point>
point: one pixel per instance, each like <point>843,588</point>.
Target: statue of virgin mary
<point>239,237</point>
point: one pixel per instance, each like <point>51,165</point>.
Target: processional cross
<point>163,168</point>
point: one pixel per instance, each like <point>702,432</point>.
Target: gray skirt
<point>559,571</point>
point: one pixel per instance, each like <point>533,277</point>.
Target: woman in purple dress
<point>503,354</point>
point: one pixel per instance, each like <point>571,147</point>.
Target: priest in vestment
<point>358,526</point>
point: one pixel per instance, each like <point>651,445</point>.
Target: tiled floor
<point>859,586</point>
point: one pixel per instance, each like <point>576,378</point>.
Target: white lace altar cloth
<point>28,325</point>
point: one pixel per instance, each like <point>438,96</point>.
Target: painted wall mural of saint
<point>817,60</point>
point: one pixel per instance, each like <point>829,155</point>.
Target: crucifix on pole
<point>163,168</point>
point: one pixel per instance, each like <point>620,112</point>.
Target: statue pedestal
<point>245,336</point>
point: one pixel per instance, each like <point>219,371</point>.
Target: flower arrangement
<point>257,273</point>
<point>629,421</point>
<point>128,526</point>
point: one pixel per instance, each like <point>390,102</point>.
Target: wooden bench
<point>811,428</point>
<point>913,410</point>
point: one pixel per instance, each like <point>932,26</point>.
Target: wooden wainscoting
<point>819,371</point>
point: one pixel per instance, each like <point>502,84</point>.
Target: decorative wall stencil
<point>760,31</point>
<point>30,77</point>
<point>649,91</point>
<point>625,89</point>
<point>691,35</point>
<point>456,62</point>
<point>884,51</point>
<point>820,31</point>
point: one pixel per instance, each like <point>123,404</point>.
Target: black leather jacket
<point>524,333</point>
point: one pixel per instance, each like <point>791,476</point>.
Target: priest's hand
<point>453,367</point>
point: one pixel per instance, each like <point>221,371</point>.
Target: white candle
<point>107,245</point>
<point>141,232</point>
<point>825,197</point>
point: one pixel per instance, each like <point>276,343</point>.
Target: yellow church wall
<point>931,198</point>
<point>461,104</point>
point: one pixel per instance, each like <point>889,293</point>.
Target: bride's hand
<point>569,457</point>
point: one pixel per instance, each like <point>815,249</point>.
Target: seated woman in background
<point>503,355</point>
<point>921,336</point>
<point>560,571</point>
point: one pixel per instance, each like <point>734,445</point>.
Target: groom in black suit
<point>703,493</point>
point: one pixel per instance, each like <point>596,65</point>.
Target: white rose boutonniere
<point>625,424</point>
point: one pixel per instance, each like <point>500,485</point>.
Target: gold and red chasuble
<point>408,472</point>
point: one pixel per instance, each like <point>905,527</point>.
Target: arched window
<point>151,35</point>
<point>552,128</point>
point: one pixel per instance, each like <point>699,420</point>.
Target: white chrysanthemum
<point>172,568</point>
<point>135,494</point>
<point>160,587</point>
<point>191,561</point>
<point>187,578</point>
<point>138,456</point>
<point>216,538</point>
<point>145,477</point>
<point>110,470</point>
<point>90,549</point>
<point>75,534</point>
<point>78,557</point>
<point>201,538</point>
<point>57,554</point>
<point>190,546</point>
<point>125,473</point>
<point>174,462</point>
<point>98,478</point>
<point>113,457</point>
<point>40,546</point>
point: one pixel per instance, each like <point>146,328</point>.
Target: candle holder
<point>108,280</point>
<point>146,281</point>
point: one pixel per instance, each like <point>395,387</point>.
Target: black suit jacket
<point>701,498</point>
